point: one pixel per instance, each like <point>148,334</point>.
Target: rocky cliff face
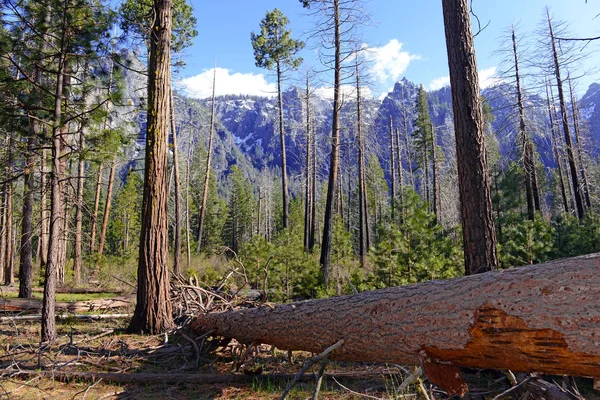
<point>247,127</point>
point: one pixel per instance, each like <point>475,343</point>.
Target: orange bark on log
<point>542,318</point>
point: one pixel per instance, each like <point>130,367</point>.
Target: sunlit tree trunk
<point>479,235</point>
<point>153,307</point>
<point>48,331</point>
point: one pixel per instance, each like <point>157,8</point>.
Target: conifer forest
<point>314,241</point>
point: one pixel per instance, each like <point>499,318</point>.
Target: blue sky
<point>406,39</point>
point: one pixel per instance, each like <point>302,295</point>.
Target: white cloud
<point>487,78</point>
<point>347,91</point>
<point>227,82</point>
<point>389,61</point>
<point>439,83</point>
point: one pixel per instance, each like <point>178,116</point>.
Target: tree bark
<point>332,185</point>
<point>44,225</point>
<point>479,235</point>
<point>3,228</point>
<point>48,331</point>
<point>208,164</point>
<point>530,319</point>
<point>9,276</point>
<point>565,124</point>
<point>153,309</point>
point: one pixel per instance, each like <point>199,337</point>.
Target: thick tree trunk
<point>530,319</point>
<point>177,243</point>
<point>48,330</point>
<point>325,259</point>
<point>153,308</point>
<point>479,235</point>
<point>208,164</point>
<point>565,124</point>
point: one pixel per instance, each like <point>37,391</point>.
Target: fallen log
<point>35,305</point>
<point>542,318</point>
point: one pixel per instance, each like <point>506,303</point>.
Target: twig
<point>87,389</point>
<point>309,364</point>
<point>410,379</point>
<point>512,389</point>
<point>319,379</point>
<point>125,282</point>
<point>356,393</point>
<point>196,349</point>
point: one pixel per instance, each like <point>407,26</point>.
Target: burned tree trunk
<point>539,318</point>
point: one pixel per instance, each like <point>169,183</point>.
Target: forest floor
<point>91,357</point>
